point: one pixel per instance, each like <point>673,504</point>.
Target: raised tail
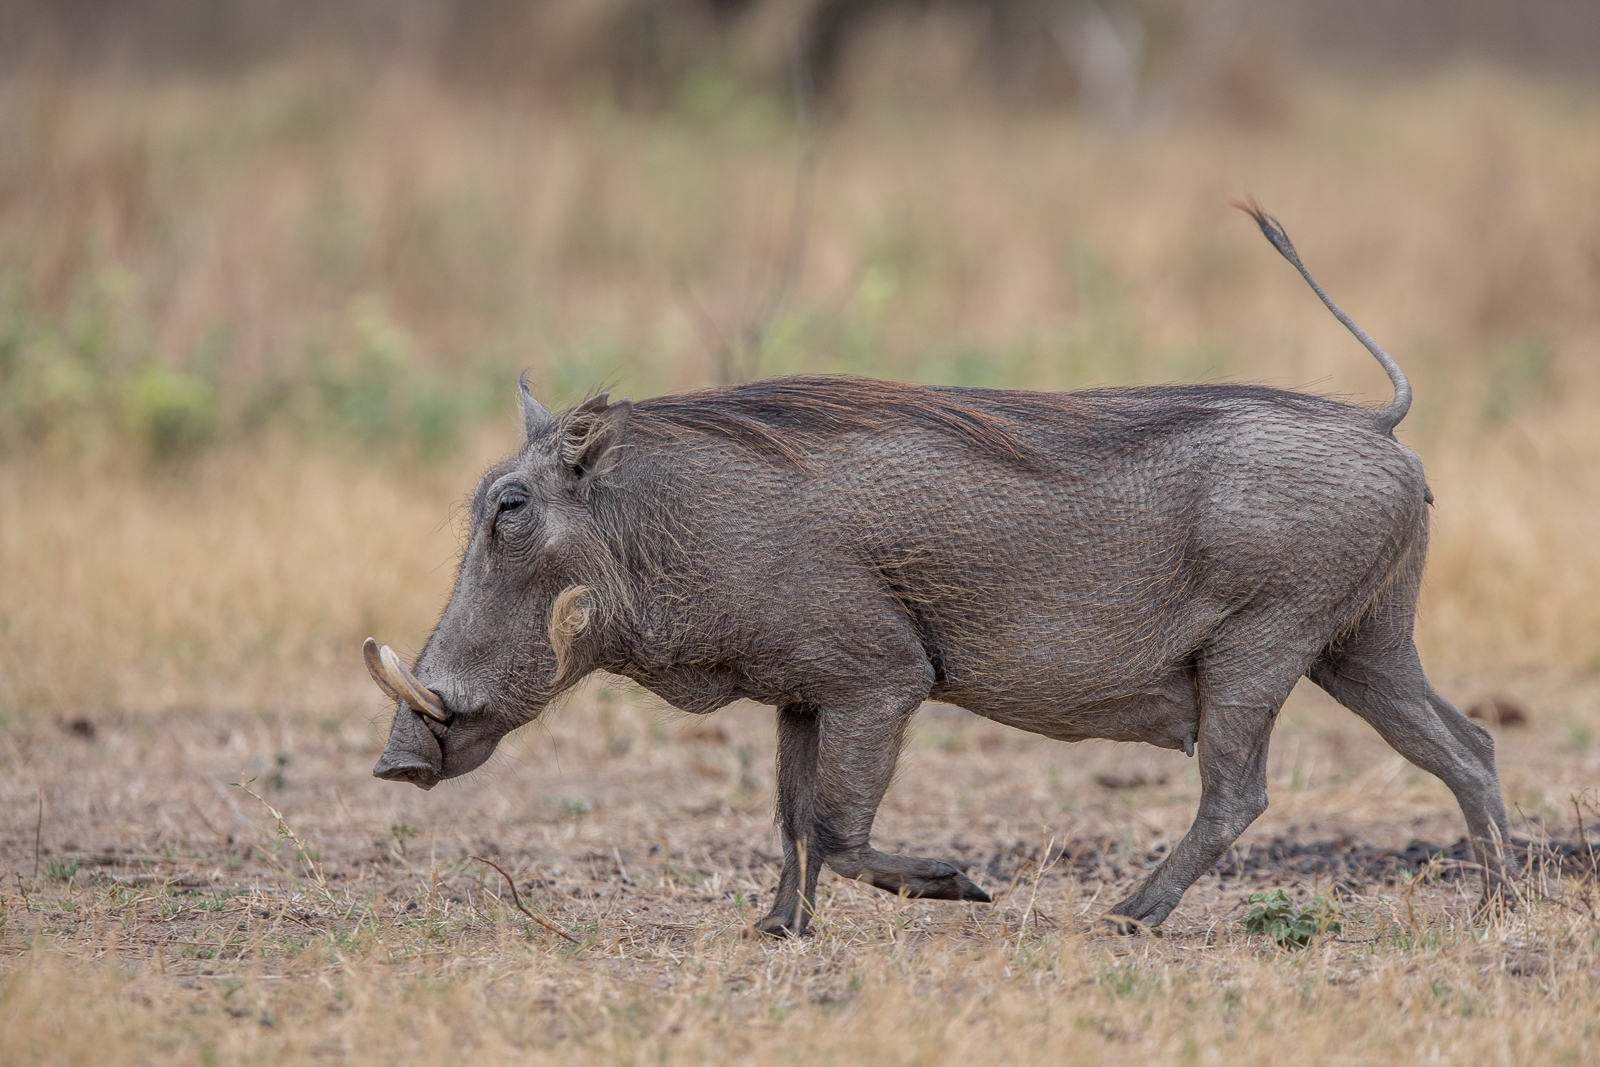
<point>1387,417</point>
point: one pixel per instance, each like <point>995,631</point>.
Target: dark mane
<point>779,417</point>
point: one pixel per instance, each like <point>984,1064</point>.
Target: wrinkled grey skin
<point>1165,568</point>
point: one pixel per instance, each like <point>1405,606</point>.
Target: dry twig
<point>38,831</point>
<point>1583,838</point>
<point>1045,865</point>
<point>517,900</point>
<point>284,830</point>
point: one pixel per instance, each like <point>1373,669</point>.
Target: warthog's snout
<point>413,753</point>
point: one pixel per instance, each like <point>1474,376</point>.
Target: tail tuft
<point>1271,228</point>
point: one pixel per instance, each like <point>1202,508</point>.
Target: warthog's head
<point>535,574</point>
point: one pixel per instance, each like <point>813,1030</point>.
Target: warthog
<point>1155,564</point>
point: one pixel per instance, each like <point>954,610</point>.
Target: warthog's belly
<point>1165,713</point>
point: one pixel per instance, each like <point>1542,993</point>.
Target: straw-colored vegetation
<point>257,335</point>
<point>171,920</point>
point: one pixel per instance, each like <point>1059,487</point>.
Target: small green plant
<point>280,763</point>
<point>1121,980</point>
<point>402,832</point>
<point>63,871</point>
<point>1290,925</point>
<point>686,875</point>
<point>574,806</point>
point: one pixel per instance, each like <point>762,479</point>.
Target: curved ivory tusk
<point>393,678</point>
<point>416,694</point>
<point>369,655</point>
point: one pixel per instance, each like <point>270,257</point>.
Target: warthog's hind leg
<point>1240,706</point>
<point>1376,674</point>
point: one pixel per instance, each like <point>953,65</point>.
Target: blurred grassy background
<point>268,273</point>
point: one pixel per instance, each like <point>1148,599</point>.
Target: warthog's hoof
<point>1495,903</point>
<point>941,882</point>
<point>970,890</point>
<point>776,925</point>
<point>1134,916</point>
<point>1121,925</point>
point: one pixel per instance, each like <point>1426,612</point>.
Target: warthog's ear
<point>536,421</point>
<point>590,438</point>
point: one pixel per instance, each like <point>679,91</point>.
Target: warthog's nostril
<point>413,753</point>
<point>422,777</point>
<point>418,774</point>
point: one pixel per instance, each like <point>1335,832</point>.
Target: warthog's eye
<point>511,499</point>
<point>508,494</point>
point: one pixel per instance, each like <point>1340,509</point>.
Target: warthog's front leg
<point>916,876</point>
<point>855,753</point>
<point>797,775</point>
<point>856,761</point>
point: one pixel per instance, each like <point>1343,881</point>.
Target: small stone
<point>1499,712</point>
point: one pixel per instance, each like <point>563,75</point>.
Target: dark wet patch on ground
<point>1342,861</point>
<point>1353,862</point>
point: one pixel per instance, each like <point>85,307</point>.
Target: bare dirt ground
<point>619,819</point>
<point>155,912</point>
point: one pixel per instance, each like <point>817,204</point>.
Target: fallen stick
<point>517,900</point>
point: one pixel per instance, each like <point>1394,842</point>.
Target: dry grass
<point>857,998</point>
<point>203,613</point>
<point>241,584</point>
<point>191,932</point>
